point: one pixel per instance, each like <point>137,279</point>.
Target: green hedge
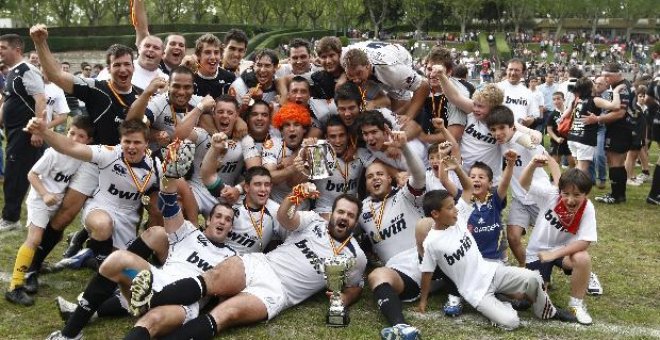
<point>283,38</point>
<point>129,30</point>
<point>259,38</point>
<point>502,46</point>
<point>484,49</point>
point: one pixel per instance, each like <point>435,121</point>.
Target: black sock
<point>99,289</point>
<point>646,172</point>
<point>49,240</point>
<point>446,284</point>
<point>112,307</point>
<point>182,292</point>
<point>655,184</point>
<point>389,303</point>
<point>138,333</point>
<point>140,248</point>
<point>618,178</point>
<point>101,249</point>
<point>201,328</point>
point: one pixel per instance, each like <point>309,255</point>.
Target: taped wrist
<point>167,204</point>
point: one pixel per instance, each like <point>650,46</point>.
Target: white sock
<point>574,302</point>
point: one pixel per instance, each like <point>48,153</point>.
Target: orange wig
<point>292,111</point>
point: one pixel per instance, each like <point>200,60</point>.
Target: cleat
<point>564,316</point>
<point>74,262</point>
<point>609,199</point>
<point>454,306</point>
<point>141,293</point>
<point>19,296</point>
<point>31,282</point>
<point>66,308</point>
<point>6,225</point>
<point>400,332</point>
<point>520,305</point>
<point>594,287</point>
<point>57,335</point>
<point>653,201</point>
<point>581,315</point>
<point>76,240</point>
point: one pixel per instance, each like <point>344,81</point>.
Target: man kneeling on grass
<point>451,246</point>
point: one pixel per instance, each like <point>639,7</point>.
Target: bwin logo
<point>60,177</point>
<point>119,170</point>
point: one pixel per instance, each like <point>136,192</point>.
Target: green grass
<point>626,258</point>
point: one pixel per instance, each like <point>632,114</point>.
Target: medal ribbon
<point>258,228</point>
<point>174,117</point>
<point>378,219</point>
<point>337,251</point>
<point>344,174</point>
<point>136,181</point>
<point>116,95</point>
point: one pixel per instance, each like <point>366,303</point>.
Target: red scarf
<point>570,221</point>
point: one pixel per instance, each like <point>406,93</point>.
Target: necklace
<point>337,251</point>
<point>116,95</point>
<point>258,228</point>
<point>378,219</point>
<point>174,117</point>
<point>140,185</point>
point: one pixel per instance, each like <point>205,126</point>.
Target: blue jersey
<point>485,224</point>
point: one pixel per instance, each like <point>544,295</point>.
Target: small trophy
<point>336,269</point>
<point>321,159</point>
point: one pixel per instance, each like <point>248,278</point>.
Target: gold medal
<point>145,200</point>
<point>140,186</point>
<point>268,143</point>
<point>377,237</point>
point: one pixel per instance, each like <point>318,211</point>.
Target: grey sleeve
<point>33,82</point>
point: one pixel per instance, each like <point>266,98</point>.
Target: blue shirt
<point>485,224</point>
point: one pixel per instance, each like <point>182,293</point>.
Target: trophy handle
<point>300,154</point>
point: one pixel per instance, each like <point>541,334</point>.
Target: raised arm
<point>451,163</point>
<point>450,91</point>
<point>189,121</point>
<point>49,65</point>
<point>527,174</point>
<point>510,157</point>
<point>287,215</point>
<point>140,21</point>
<point>62,144</point>
<point>209,169</point>
<point>139,106</point>
<point>415,166</point>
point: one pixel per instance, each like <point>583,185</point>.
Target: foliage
<point>471,46</point>
<point>276,40</point>
<point>484,49</point>
<point>503,49</point>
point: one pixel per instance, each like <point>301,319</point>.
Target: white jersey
<point>232,162</point>
<point>191,253</point>
<point>274,155</point>
<point>455,251</point>
<point>141,76</point>
<point>55,101</point>
<point>398,218</point>
<point>299,261</point>
<point>416,146</point>
<point>392,65</point>
<point>239,89</point>
<point>477,144</point>
<point>253,229</point>
<point>519,99</point>
<point>117,189</point>
<point>549,233</point>
<point>55,171</point>
<point>344,179</point>
<point>159,112</point>
<point>525,155</point>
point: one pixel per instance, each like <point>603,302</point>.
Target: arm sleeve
<point>399,77</point>
<point>428,262</point>
<point>45,163</point>
<point>33,82</point>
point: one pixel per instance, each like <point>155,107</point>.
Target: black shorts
<point>639,135</point>
<point>618,140</point>
<point>545,268</point>
<point>559,149</point>
<point>411,289</point>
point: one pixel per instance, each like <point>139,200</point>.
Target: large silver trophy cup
<point>336,274</point>
<point>320,159</point>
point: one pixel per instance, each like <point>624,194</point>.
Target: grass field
<point>626,258</point>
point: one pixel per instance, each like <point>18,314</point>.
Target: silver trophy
<point>320,159</point>
<point>336,273</point>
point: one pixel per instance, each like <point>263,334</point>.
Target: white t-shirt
<point>478,144</point>
<point>538,98</point>
<point>243,235</point>
<point>141,76</point>
<point>55,171</point>
<point>274,155</point>
<point>525,155</point>
<point>333,186</point>
<point>519,99</point>
<point>549,233</point>
<point>159,112</point>
<point>455,251</point>
<point>55,101</point>
<point>299,261</point>
<point>396,232</point>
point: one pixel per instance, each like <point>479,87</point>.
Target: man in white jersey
<point>451,247</point>
<point>388,221</point>
<point>300,61</point>
<point>347,173</point>
<point>258,120</point>
<point>255,224</point>
<point>240,153</point>
<point>259,83</point>
<point>517,96</point>
<point>260,286</point>
<point>184,251</point>
<point>278,155</point>
<point>127,176</point>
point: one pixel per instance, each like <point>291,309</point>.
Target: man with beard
<point>255,224</point>
<point>182,248</point>
<point>211,79</point>
<point>260,286</point>
<point>293,121</point>
<point>300,61</point>
<point>235,47</point>
<point>258,83</point>
<point>347,173</point>
<point>517,96</point>
<point>240,152</point>
<point>388,220</point>
<point>258,121</point>
<point>107,102</point>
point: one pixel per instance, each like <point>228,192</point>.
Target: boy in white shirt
<point>563,231</point>
<point>49,178</point>
<point>451,246</point>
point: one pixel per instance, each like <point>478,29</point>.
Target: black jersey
<point>23,81</point>
<point>214,86</point>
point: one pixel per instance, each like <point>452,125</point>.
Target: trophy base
<point>337,320</point>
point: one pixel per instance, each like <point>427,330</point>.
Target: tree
<point>118,11</point>
<point>94,10</point>
<point>63,10</point>
<point>314,11</point>
<point>417,12</point>
<point>199,9</point>
<point>519,11</point>
<point>464,10</point>
<point>633,10</point>
<point>377,11</point>
<point>281,10</point>
<point>557,11</point>
<point>297,10</point>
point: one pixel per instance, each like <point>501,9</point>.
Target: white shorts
<point>521,214</point>
<point>86,180</point>
<point>582,152</point>
<point>124,222</point>
<point>205,201</point>
<point>407,262</point>
<point>38,213</point>
<point>262,282</point>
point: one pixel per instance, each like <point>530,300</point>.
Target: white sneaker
<point>594,287</point>
<point>581,314</point>
<point>643,178</point>
<point>57,335</point>
<point>633,182</point>
<point>6,225</point>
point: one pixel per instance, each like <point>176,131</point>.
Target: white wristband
<point>239,188</point>
<point>200,107</point>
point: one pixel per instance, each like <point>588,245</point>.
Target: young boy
<point>558,143</point>
<point>49,178</point>
<point>523,212</point>
<point>450,246</point>
<point>564,230</point>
